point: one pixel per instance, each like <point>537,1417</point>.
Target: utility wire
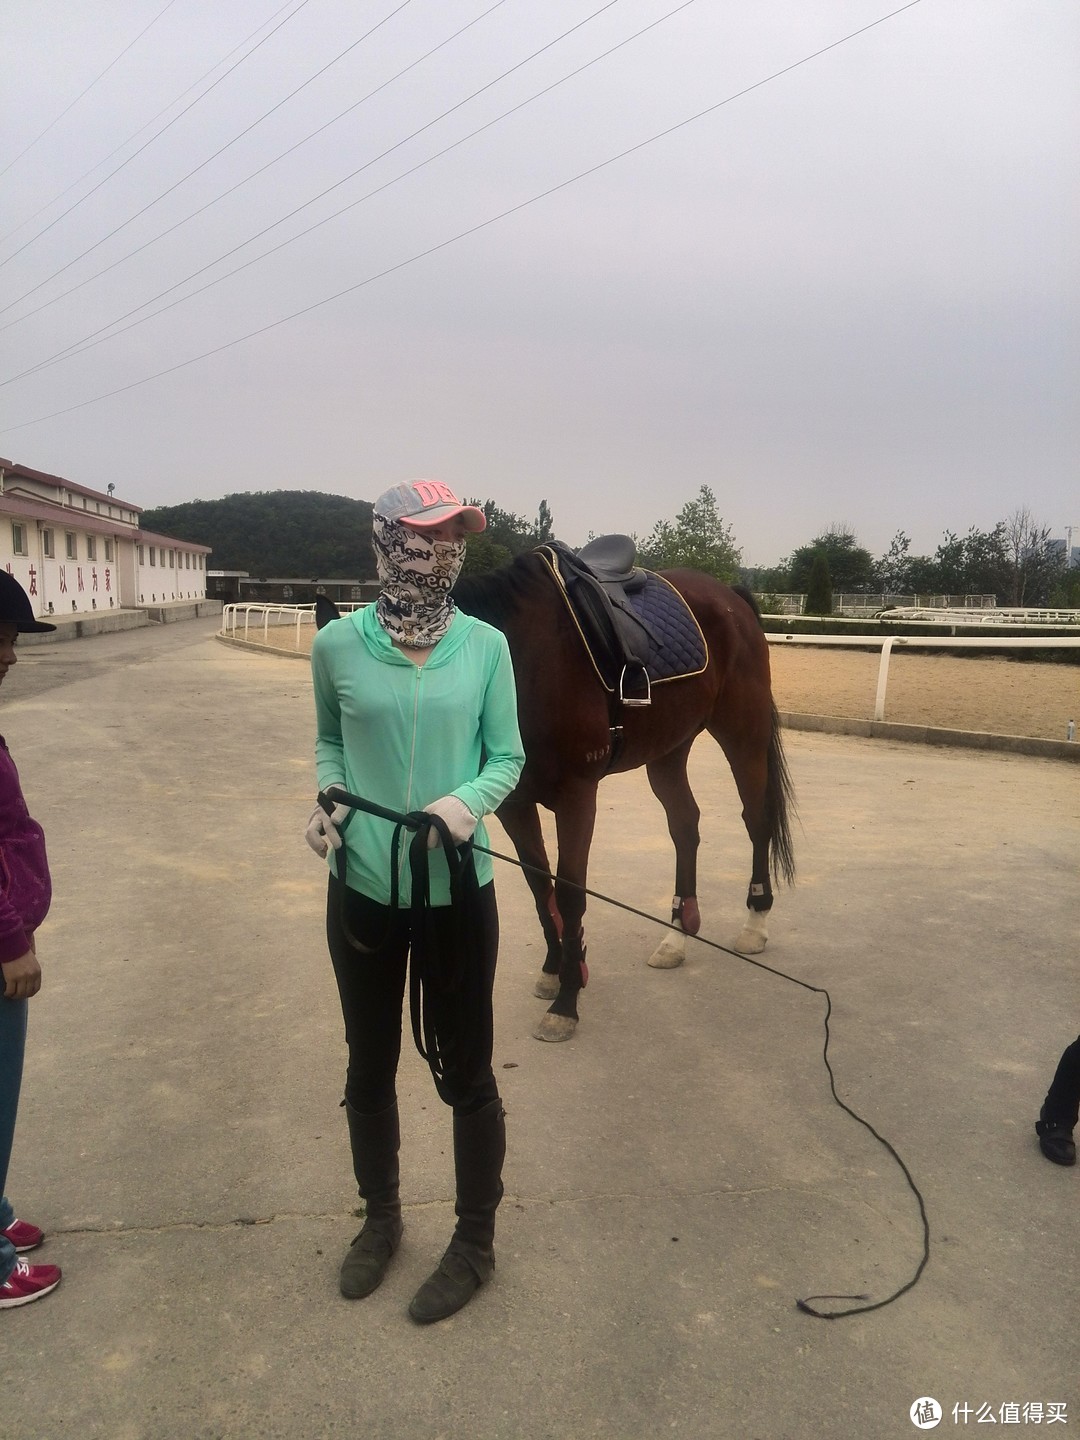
<point>53,123</point>
<point>472,229</point>
<point>202,164</point>
<point>163,111</point>
<point>90,341</point>
<point>224,194</point>
<point>156,136</point>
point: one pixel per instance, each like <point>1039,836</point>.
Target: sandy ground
<point>994,694</point>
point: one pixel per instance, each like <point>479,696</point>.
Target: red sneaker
<point>23,1235</point>
<point>28,1282</point>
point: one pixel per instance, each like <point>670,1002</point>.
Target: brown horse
<point>566,727</point>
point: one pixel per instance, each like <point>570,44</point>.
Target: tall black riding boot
<point>375,1140</point>
<point>479,1151</point>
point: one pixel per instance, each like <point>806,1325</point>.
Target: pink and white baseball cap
<point>421,503</point>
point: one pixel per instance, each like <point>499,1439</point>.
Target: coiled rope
<point>335,795</point>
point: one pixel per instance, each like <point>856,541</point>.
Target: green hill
<point>279,533</point>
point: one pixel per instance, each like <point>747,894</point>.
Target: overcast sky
<point>845,297</point>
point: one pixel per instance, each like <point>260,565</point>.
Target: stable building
<point>75,551</point>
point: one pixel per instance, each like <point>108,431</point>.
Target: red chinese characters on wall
<point>63,580</point>
<point>108,578</point>
<point>33,580</point>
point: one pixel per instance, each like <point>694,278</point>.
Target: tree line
<point>309,534</point>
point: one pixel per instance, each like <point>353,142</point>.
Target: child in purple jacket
<point>25,892</point>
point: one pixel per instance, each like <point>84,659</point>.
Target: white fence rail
<point>864,605</point>
<point>1017,615</point>
<point>927,642</point>
<point>251,621</point>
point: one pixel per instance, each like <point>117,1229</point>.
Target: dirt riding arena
<point>997,694</point>
<point>992,694</point>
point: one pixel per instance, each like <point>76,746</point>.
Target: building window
<point>187,559</point>
<point>172,559</point>
<point>48,547</point>
<point>108,549</point>
<point>142,561</point>
<point>18,538</point>
<point>153,555</point>
<point>71,545</point>
<point>91,547</point>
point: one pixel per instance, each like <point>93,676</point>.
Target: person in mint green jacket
<point>416,710</point>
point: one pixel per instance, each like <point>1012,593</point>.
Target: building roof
<point>151,537</point>
<point>11,467</point>
<point>63,517</point>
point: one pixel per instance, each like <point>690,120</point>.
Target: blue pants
<point>12,1048</point>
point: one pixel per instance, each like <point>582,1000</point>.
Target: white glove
<point>456,815</point>
<point>323,830</point>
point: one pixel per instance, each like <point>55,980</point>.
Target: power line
<point>157,136</point>
<point>53,123</point>
<point>163,111</point>
<point>224,194</point>
<point>210,158</point>
<point>472,229</point>
<point>89,342</point>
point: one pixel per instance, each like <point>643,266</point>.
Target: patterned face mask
<point>416,574</point>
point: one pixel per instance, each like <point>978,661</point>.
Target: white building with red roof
<point>76,551</point>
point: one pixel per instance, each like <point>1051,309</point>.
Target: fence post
<point>883,677</point>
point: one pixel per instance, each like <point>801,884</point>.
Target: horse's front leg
<point>521,821</point>
<point>575,817</point>
<point>667,777</point>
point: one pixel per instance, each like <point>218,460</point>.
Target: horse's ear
<point>325,611</point>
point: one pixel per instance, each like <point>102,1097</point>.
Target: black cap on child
<point>15,607</point>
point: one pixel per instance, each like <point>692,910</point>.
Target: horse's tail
<point>779,805</point>
<point>779,791</point>
<point>748,595</point>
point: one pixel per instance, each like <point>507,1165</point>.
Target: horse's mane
<point>495,594</point>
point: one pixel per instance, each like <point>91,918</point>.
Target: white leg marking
<point>755,933</point>
<point>670,953</point>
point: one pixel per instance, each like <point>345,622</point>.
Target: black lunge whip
<point>422,823</point>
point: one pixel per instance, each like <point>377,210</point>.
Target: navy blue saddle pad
<point>672,640</point>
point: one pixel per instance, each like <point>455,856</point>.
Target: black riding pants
<point>372,989</point>
<point>1063,1097</point>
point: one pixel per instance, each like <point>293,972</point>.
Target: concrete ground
<point>678,1173</point>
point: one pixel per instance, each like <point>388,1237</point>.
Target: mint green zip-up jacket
<point>404,735</point>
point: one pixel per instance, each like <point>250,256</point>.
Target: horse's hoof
<point>750,942</point>
<point>555,1028</point>
<point>669,954</point>
<point>546,987</point>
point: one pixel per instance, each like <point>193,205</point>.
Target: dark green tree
<point>698,539</point>
<point>892,573</point>
<point>819,590</point>
<point>1034,564</point>
<point>276,533</point>
<point>850,566</point>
